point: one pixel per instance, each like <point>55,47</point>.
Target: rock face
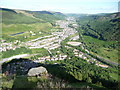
<point>38,71</point>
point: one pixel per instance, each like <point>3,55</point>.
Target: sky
<point>64,6</point>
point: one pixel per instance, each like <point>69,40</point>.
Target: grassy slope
<point>97,46</point>
<point>16,28</point>
<point>105,27</point>
<point>47,16</point>
<point>40,52</point>
<point>7,30</point>
<point>16,21</point>
<point>9,17</point>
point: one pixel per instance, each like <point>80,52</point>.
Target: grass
<point>102,48</point>
<point>114,76</point>
<point>40,52</point>
<point>7,84</point>
<point>84,85</point>
<point>22,82</point>
<point>17,51</point>
<point>112,54</point>
<point>7,30</point>
<point>16,28</point>
<point>45,17</point>
<point>34,82</point>
<point>39,29</point>
<point>10,17</point>
<point>56,51</point>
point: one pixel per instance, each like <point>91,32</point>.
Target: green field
<point>21,50</point>
<point>16,28</point>
<point>40,52</point>
<point>39,29</point>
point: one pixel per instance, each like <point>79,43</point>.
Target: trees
<point>83,71</point>
<point>101,26</point>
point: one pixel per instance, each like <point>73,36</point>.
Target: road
<point>16,57</point>
<point>13,57</point>
<point>108,61</point>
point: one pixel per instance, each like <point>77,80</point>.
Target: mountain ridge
<point>32,16</point>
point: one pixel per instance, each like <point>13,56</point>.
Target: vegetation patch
<point>105,49</point>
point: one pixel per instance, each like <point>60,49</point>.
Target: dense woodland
<point>104,26</point>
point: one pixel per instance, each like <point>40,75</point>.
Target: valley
<point>71,48</point>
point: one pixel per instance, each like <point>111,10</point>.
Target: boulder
<point>38,71</point>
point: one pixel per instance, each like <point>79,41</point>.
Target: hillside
<point>100,34</point>
<point>101,26</point>
<point>57,44</point>
<point>10,16</point>
<point>16,21</point>
<point>46,49</point>
<point>13,16</point>
<point>47,16</point>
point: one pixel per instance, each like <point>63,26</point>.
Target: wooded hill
<point>102,26</point>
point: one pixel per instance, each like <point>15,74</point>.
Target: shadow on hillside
<point>17,69</point>
<point>18,66</point>
<point>57,70</point>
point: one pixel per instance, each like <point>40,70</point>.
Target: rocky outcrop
<point>38,71</point>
